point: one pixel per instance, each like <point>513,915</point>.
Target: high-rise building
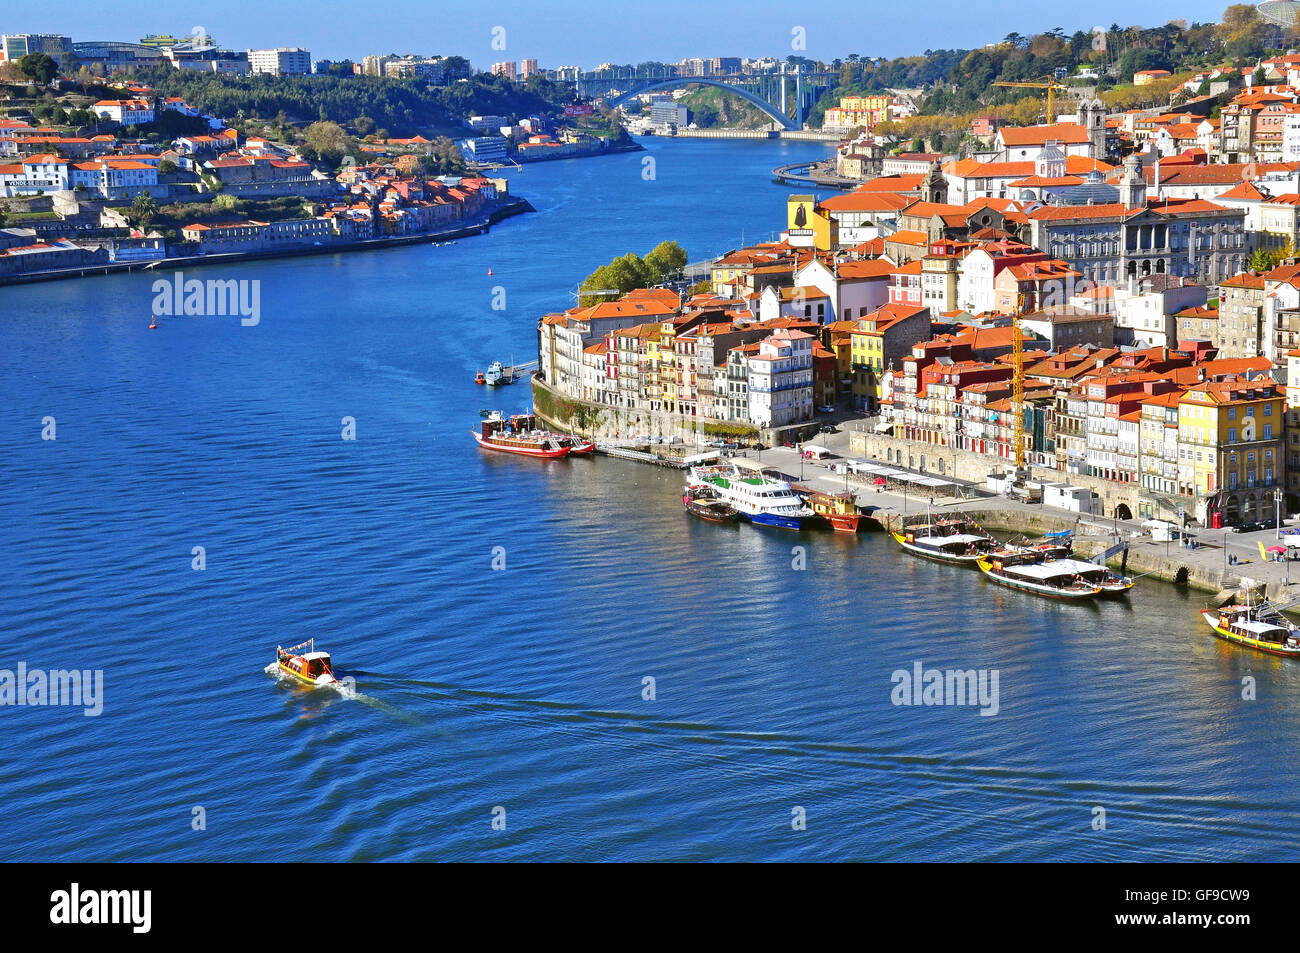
<point>528,68</point>
<point>14,46</point>
<point>282,61</point>
<point>507,68</point>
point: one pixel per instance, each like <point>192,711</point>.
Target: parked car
<point>827,428</point>
<point>825,409</point>
<point>1249,527</point>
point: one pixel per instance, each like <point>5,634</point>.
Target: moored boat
<point>949,540</point>
<point>1242,625</point>
<point>1110,582</point>
<point>479,378</point>
<point>310,666</point>
<point>578,446</point>
<point>1041,578</point>
<point>702,500</point>
<point>498,373</point>
<point>757,497</point>
<point>519,435</point>
<point>837,510</point>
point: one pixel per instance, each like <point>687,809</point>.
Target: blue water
<point>522,688</point>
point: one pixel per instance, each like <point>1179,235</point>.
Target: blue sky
<point>587,32</point>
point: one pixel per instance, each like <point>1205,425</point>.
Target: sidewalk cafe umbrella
<point>880,481</point>
<point>1277,549</point>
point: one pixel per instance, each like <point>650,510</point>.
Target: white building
<point>40,173</point>
<point>780,380</point>
<point>1144,310</point>
<point>128,112</point>
<point>854,289</point>
<point>282,61</point>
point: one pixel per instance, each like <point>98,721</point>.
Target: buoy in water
<point>153,324</point>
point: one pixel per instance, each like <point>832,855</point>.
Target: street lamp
<point>1277,509</point>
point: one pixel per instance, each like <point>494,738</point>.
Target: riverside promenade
<point>1221,560</point>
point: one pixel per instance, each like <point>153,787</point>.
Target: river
<point>519,694</point>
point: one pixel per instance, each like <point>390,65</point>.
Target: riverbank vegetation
<point>631,271</point>
<point>402,107</point>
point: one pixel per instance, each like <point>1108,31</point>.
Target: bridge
<point>785,96</point>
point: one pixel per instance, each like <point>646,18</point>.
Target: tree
<point>1243,32</point>
<point>329,141</point>
<point>667,259</point>
<point>166,167</point>
<point>40,68</point>
<point>144,209</point>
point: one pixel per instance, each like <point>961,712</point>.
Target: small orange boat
<point>310,666</point>
<point>479,378</point>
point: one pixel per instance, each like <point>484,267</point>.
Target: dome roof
<point>1094,190</point>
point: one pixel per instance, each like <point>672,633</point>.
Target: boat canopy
<point>1078,566</point>
<point>1253,625</point>
<point>964,539</point>
<point>1043,571</point>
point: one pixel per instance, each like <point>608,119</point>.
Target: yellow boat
<point>1041,578</point>
<point>1240,625</point>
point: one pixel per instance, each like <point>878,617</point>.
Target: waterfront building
<point>1230,448</point>
<point>1158,452</point>
<point>855,111</point>
<point>780,379</point>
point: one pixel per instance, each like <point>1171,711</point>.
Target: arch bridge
<point>678,82</point>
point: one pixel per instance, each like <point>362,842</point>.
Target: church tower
<point>1092,116</point>
<point>934,187</point>
<point>1132,186</point>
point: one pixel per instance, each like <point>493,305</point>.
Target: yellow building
<point>854,111</point>
<point>807,226</point>
<point>1230,449</point>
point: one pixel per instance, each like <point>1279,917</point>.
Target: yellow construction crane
<point>1018,384</point>
<point>1051,86</point>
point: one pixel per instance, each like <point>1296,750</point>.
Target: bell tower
<point>1092,116</point>
<point>934,187</point>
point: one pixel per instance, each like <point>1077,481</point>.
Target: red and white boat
<point>519,434</point>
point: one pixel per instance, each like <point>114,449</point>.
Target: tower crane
<point>1052,86</point>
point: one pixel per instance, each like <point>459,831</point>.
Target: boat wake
<point>345,687</point>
